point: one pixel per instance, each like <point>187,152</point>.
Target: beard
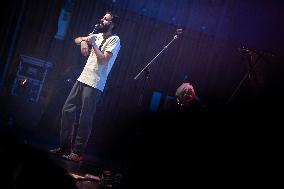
<point>104,28</point>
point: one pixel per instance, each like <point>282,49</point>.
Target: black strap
<point>102,44</point>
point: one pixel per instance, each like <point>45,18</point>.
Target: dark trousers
<point>82,99</point>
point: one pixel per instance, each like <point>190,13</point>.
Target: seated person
<point>185,99</point>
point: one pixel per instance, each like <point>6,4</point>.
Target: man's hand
<point>91,39</point>
<point>78,40</point>
<point>84,48</point>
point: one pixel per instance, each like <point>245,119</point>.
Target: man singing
<point>102,49</point>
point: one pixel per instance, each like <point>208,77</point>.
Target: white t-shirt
<point>94,74</point>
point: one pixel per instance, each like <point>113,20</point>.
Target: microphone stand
<point>178,31</point>
<point>147,76</point>
<point>252,65</point>
<point>136,77</point>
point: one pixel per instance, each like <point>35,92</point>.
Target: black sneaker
<point>59,151</point>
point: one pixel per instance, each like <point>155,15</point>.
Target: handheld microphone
<point>78,40</point>
<point>96,28</point>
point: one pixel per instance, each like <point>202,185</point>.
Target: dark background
<point>206,55</point>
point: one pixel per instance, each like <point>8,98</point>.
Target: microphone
<point>245,50</point>
<point>78,40</point>
<point>178,32</point>
<point>96,28</point>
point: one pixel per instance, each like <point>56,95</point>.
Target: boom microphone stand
<point>147,67</point>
